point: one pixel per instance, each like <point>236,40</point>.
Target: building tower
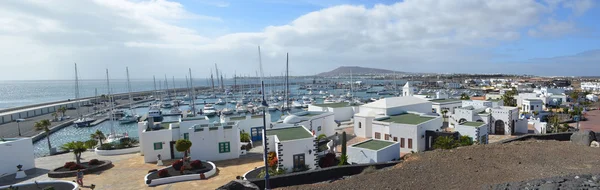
<point>408,90</point>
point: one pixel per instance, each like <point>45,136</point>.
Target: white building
<point>16,151</point>
<point>408,90</point>
<point>408,129</point>
<point>453,85</point>
<point>493,96</point>
<point>342,111</point>
<point>478,131</point>
<point>294,146</point>
<point>532,105</point>
<point>539,126</point>
<point>215,141</point>
<point>387,106</point>
<point>590,86</point>
<point>251,124</point>
<point>502,120</point>
<point>209,140</point>
<point>317,122</point>
<point>373,151</point>
<point>445,104</point>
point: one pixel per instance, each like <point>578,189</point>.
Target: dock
<point>98,121</point>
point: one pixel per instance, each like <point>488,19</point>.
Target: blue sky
<point>42,39</point>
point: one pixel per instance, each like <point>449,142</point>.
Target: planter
<point>57,184</point>
<point>60,173</point>
<point>252,174</point>
<point>179,178</point>
<point>117,151</point>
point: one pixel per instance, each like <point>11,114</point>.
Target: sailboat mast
<point>174,88</point>
<point>193,106</point>
<point>110,113</point>
<point>167,87</point>
<point>212,80</point>
<point>217,74</point>
<point>129,90</point>
<point>77,91</point>
<point>154,93</point>
<point>287,76</point>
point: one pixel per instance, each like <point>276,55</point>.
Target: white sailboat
<point>112,136</point>
<point>82,121</point>
<point>133,117</point>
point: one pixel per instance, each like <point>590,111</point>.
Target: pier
<point>98,121</point>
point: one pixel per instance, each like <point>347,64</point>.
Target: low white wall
<point>361,155</point>
<point>389,153</point>
<point>14,152</point>
<point>75,186</point>
<point>180,178</point>
<point>116,152</point>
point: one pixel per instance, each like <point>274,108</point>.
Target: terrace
<point>473,124</point>
<point>408,118</point>
<point>334,105</point>
<point>291,133</point>
<point>373,144</point>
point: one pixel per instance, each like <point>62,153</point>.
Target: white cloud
<point>580,6</point>
<point>553,28</point>
<point>151,37</point>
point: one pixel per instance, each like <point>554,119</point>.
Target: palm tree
<point>77,147</point>
<point>63,110</point>
<point>444,112</point>
<point>98,135</point>
<point>465,96</point>
<point>44,125</point>
<point>55,115</point>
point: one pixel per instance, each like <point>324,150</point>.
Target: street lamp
<point>18,125</point>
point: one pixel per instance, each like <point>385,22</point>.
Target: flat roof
<point>373,144</point>
<point>445,100</point>
<point>334,105</point>
<point>237,118</point>
<point>407,118</point>
<point>473,124</point>
<point>193,118</point>
<point>291,133</point>
<point>165,125</point>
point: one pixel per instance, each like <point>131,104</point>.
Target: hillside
<point>347,70</point>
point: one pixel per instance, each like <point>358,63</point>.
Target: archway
<point>479,120</point>
<point>499,127</point>
<point>462,120</point>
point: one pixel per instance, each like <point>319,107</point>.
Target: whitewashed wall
<point>361,155</point>
<point>389,153</point>
<point>205,144</point>
<point>15,152</point>
<point>147,140</point>
<point>365,129</point>
<point>299,146</point>
<point>421,108</point>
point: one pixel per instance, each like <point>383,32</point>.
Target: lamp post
<point>263,107</point>
<point>18,125</point>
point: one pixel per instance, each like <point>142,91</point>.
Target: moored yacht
<point>209,110</point>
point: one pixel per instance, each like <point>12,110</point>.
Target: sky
<point>41,40</point>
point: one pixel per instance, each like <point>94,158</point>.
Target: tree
<point>343,157</point>
<point>44,125</point>
<point>244,137</point>
<point>574,96</point>
<point>55,115</point>
<point>183,145</point>
<point>508,98</point>
<point>98,135</point>
<point>444,112</point>
<point>444,142</point>
<point>63,110</point>
<point>321,136</point>
<point>465,141</point>
<point>464,96</point>
<point>90,144</point>
<point>77,147</point>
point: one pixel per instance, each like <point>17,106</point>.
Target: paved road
<point>9,130</point>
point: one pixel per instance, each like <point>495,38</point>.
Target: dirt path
<point>476,166</point>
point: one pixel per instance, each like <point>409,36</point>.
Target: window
<point>359,125</point>
<point>401,142</point>
<point>224,147</point>
<point>377,135</point>
<point>387,137</point>
<point>396,139</point>
<point>409,143</point>
<point>158,146</point>
<point>186,136</point>
<point>319,128</point>
<point>299,161</point>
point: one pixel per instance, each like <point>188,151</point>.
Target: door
<point>256,133</point>
<point>299,161</point>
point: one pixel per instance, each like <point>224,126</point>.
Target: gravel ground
<point>477,167</point>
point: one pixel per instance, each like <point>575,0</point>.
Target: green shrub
<point>107,146</point>
<point>445,142</point>
<point>244,137</point>
<point>90,144</point>
<point>321,136</point>
<point>272,172</point>
<point>465,141</point>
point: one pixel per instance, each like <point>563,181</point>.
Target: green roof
<point>292,133</point>
<point>193,118</point>
<point>237,118</point>
<point>373,144</point>
<point>444,100</point>
<point>473,124</point>
<point>334,105</point>
<point>408,118</point>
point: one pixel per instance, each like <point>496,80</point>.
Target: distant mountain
<point>346,70</point>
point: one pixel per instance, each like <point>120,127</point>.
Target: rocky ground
<point>563,182</point>
<point>477,167</point>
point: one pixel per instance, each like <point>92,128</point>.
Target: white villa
<point>16,151</point>
<point>501,120</point>
<point>342,111</point>
<point>210,141</point>
<point>317,122</point>
<point>398,119</point>
<point>294,146</point>
<point>373,151</point>
<point>438,105</point>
